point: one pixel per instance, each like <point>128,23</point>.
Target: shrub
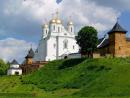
<point>3,67</point>
<point>71,63</point>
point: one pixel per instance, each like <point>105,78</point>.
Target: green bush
<point>71,63</point>
<point>3,67</point>
<point>104,77</point>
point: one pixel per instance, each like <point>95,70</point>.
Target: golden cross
<point>57,14</point>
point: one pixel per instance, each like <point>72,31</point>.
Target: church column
<point>57,47</point>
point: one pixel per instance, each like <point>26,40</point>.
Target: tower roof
<point>117,28</point>
<point>14,62</point>
<point>30,54</point>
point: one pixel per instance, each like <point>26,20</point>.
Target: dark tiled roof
<point>74,53</point>
<point>30,53</point>
<point>104,44</point>
<point>14,62</point>
<point>117,28</point>
<point>100,40</point>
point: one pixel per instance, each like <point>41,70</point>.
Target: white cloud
<point>83,12</point>
<point>12,48</point>
<point>117,4</point>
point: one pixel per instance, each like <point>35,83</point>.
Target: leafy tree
<point>87,40</point>
<point>3,67</point>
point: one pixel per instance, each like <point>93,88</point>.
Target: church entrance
<point>16,73</point>
<point>65,57</point>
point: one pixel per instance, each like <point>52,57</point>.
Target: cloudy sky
<point>21,20</point>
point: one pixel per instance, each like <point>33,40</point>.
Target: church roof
<point>14,62</point>
<point>30,54</point>
<point>117,28</point>
<point>104,43</point>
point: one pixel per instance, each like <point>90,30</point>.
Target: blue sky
<point>125,21</point>
<point>20,21</point>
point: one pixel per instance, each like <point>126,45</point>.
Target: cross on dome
<point>70,21</point>
<point>57,14</point>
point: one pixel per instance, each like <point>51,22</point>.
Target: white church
<point>57,42</point>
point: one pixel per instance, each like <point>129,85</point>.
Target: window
<point>71,29</point>
<point>65,33</point>
<point>119,48</point>
<point>73,47</point>
<point>54,27</point>
<point>46,31</point>
<point>54,45</point>
<point>65,43</point>
<point>58,29</point>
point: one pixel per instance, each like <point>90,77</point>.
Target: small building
<point>117,44</point>
<point>14,68</point>
<point>28,65</point>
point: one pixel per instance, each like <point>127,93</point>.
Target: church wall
<point>128,48</point>
<point>51,49</point>
<point>72,47</point>
<point>118,46</point>
<point>104,51</point>
<point>112,44</point>
<point>41,50</point>
<point>12,71</point>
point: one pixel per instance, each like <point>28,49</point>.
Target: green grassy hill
<point>75,78</point>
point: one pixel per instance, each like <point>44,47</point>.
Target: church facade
<point>117,44</point>
<point>57,42</point>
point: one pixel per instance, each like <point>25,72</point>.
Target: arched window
<point>71,29</point>
<point>73,47</point>
<point>54,27</point>
<point>46,31</point>
<point>65,44</point>
<point>58,29</point>
<point>54,45</point>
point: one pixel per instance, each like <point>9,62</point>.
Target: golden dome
<point>53,21</point>
<point>45,26</point>
<point>70,23</point>
<point>58,21</point>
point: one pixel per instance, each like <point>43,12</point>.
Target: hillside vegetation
<point>3,67</point>
<point>75,78</point>
<point>104,77</point>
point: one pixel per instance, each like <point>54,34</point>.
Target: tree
<point>87,40</point>
<point>3,67</point>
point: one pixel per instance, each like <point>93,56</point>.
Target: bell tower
<point>45,30</point>
<point>70,26</point>
<point>29,57</point>
<point>117,41</point>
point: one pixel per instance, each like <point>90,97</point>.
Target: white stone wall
<point>51,51</point>
<point>14,66</point>
<point>42,51</point>
<point>13,71</point>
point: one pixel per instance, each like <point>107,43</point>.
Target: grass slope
<point>76,78</point>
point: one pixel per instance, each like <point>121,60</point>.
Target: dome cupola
<point>70,23</point>
<point>53,21</point>
<point>45,26</point>
<point>58,21</point>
